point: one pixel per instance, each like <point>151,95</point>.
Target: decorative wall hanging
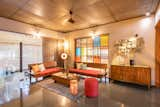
<point>128,47</point>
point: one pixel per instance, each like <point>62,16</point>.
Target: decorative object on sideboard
<point>131,61</point>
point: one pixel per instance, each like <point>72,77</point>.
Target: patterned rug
<point>62,89</point>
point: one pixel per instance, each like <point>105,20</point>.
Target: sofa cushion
<point>97,69</point>
<point>35,69</point>
<point>78,65</point>
<point>42,67</point>
<point>84,66</point>
<point>94,73</point>
<point>48,71</point>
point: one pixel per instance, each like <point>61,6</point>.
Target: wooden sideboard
<point>132,74</point>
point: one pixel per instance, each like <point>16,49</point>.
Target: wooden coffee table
<point>63,78</point>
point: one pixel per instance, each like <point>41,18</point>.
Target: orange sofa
<point>92,73</point>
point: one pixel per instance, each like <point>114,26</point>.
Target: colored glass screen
<point>92,50</point>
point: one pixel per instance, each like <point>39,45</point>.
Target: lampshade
<point>64,56</point>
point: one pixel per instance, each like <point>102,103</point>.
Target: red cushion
<point>86,72</point>
<point>48,71</point>
<point>91,87</point>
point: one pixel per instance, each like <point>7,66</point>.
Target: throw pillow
<point>84,66</point>
<point>35,69</point>
<point>41,67</point>
<point>78,65</point>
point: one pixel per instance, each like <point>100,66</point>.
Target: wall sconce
<point>145,23</point>
<point>37,34</point>
<point>93,37</point>
<point>93,34</point>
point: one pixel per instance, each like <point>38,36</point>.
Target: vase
<point>131,61</point>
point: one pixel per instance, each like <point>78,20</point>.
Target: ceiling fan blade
<point>58,17</point>
<point>81,18</point>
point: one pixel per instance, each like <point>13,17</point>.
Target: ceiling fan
<point>71,20</point>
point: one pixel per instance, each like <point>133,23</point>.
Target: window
<point>90,50</point>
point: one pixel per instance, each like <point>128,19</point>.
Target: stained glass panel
<point>104,40</point>
<point>78,59</point>
<point>83,51</point>
<point>104,53</point>
<point>84,59</point>
<point>89,42</point>
<point>83,42</point>
<point>96,59</point>
<point>96,51</point>
<point>96,41</point>
<point>90,59</point>
<point>89,51</point>
<point>78,43</point>
<point>78,51</point>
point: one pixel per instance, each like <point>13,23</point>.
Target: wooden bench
<point>51,67</point>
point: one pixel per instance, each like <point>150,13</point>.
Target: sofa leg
<point>105,80</point>
<point>101,80</point>
<point>36,79</point>
<point>109,80</point>
<point>30,78</point>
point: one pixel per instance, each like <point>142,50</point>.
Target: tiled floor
<point>110,95</point>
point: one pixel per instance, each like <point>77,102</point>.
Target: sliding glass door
<point>31,54</point>
<point>9,57</point>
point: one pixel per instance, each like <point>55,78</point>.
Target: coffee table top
<point>64,75</point>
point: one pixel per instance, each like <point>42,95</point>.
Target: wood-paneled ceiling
<point>53,14</point>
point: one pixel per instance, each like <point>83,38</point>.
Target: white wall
<point>143,26</point>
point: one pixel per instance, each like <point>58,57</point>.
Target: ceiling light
<point>148,14</point>
<point>36,33</point>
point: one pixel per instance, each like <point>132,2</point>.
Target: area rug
<point>62,89</point>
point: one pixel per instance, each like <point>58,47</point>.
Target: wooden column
<point>157,55</point>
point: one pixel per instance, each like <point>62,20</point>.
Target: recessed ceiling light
<point>148,14</point>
